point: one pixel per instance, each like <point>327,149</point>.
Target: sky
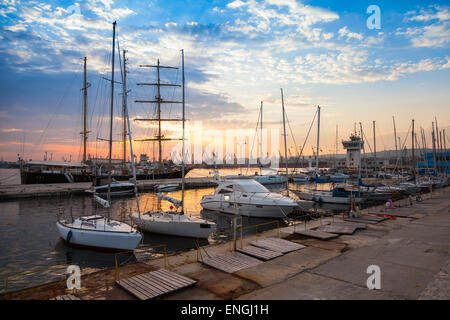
<point>237,54</point>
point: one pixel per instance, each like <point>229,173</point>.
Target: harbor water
<point>29,239</point>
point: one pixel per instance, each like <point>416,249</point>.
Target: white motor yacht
<point>248,197</point>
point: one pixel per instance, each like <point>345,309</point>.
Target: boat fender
<point>69,236</point>
<point>320,199</point>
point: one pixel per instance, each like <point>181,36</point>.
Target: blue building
<point>442,162</point>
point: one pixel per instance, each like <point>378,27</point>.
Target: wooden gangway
<point>154,284</point>
<point>277,245</point>
<point>259,253</point>
<point>231,261</point>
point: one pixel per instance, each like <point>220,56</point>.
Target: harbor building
<point>353,147</point>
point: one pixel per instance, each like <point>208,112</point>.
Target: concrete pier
<point>61,189</point>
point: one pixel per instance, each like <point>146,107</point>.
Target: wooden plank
<point>360,220</point>
<point>150,285</point>
<point>131,290</point>
<point>338,229</point>
<point>357,225</point>
<point>260,253</point>
<point>162,283</point>
<point>138,286</point>
<point>276,244</point>
<point>154,284</point>
<point>176,276</point>
<point>317,234</point>
<point>231,262</point>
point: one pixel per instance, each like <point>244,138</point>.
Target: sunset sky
<point>237,53</point>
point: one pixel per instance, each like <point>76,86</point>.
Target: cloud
<point>436,32</point>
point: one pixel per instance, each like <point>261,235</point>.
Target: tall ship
<point>91,169</point>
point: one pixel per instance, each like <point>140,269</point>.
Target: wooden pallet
<point>276,244</point>
<point>317,234</point>
<point>65,297</point>
<point>231,262</point>
<point>260,253</point>
<point>154,284</point>
<point>337,229</point>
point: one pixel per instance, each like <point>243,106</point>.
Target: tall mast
<point>318,136</point>
<point>127,119</point>
<point>445,153</point>
<point>85,86</point>
<point>111,114</point>
<point>433,138</point>
<point>260,141</point>
<point>336,151</point>
<point>374,142</point>
<point>412,145</point>
<point>158,100</point>
<point>183,121</point>
<point>124,113</point>
<point>441,164</point>
<point>285,143</point>
<point>395,137</point>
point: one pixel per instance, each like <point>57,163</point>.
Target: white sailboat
<point>175,223</point>
<point>266,178</point>
<point>98,231</point>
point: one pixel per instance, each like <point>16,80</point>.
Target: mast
<point>318,136</point>
<point>374,146</point>
<point>183,121</point>
<point>445,156</point>
<point>158,100</point>
<point>85,132</point>
<point>412,145</point>
<point>336,151</point>
<point>441,165</point>
<point>433,138</point>
<point>111,114</point>
<point>395,137</point>
<point>124,112</point>
<point>127,119</point>
<point>285,143</point>
<point>260,141</point>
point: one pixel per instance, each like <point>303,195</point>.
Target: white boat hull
<point>196,228</point>
<point>99,239</point>
<point>323,198</point>
<point>248,210</point>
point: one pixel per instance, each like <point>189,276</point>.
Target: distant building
<point>442,162</point>
<point>353,147</point>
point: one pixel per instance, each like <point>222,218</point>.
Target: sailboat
<point>335,195</point>
<point>98,231</point>
<point>175,223</point>
<point>265,179</point>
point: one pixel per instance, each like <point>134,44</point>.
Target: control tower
<point>353,147</point>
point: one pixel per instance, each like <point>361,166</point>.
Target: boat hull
<point>248,210</point>
<point>116,241</point>
<point>178,228</point>
<point>322,198</point>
